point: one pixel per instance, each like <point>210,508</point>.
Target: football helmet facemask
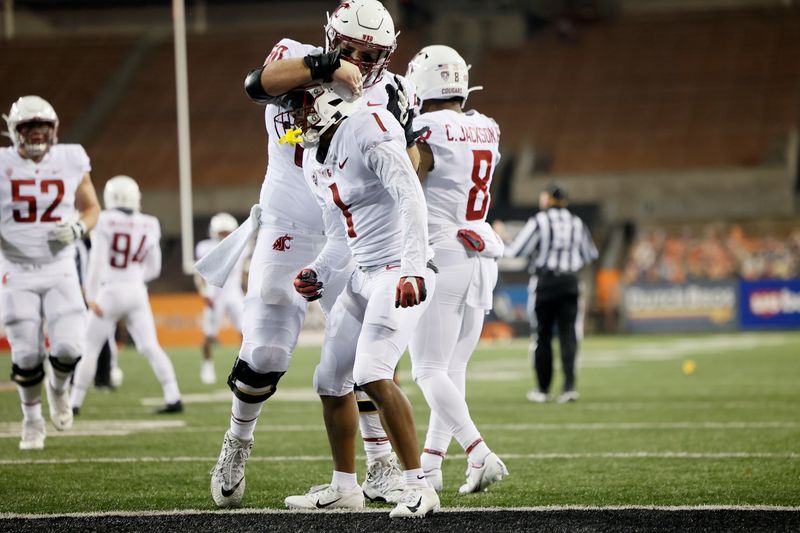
<point>367,27</point>
<point>122,192</point>
<point>25,114</point>
<point>440,73</point>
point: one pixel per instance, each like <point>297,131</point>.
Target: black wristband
<point>323,66</point>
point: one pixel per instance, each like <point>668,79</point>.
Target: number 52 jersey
<point>34,197</point>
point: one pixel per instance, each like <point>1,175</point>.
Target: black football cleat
<point>76,411</point>
<point>169,408</point>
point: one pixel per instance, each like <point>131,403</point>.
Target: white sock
<point>432,459</point>
<point>31,401</point>
<point>243,418</point>
<point>344,481</point>
<point>59,379</point>
<point>477,452</point>
<point>415,478</point>
<point>376,441</point>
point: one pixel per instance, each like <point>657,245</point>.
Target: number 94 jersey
<point>465,154</point>
<point>36,196</point>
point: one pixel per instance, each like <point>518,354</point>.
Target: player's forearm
<point>89,215</point>
<point>280,77</point>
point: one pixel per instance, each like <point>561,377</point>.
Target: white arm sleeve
<point>152,263</point>
<point>335,255</point>
<point>389,161</point>
<point>98,259</point>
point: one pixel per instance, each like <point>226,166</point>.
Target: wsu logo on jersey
<point>281,244</point>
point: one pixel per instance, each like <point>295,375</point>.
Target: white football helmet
<point>32,109</point>
<point>122,192</point>
<point>440,73</point>
<point>221,223</point>
<point>367,25</point>
<point>323,107</point>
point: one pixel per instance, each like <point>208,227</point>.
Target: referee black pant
<point>556,304</point>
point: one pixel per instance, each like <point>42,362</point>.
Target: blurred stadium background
<point>672,123</point>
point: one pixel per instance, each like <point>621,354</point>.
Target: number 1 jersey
<point>34,197</point>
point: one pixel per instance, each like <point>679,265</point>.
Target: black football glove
<point>400,107</point>
<point>307,285</point>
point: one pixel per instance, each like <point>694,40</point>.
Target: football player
<point>357,166</point>
<point>219,302</point>
<point>458,153</point>
<point>360,39</point>
<point>47,202</point>
<point>125,255</point>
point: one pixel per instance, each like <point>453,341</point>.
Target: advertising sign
<point>770,304</point>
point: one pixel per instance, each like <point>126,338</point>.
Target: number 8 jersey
<point>34,197</point>
<point>465,154</point>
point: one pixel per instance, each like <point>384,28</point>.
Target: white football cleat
<point>60,409</point>
<point>33,434</point>
<point>435,479</point>
<point>536,396</point>
<point>385,481</point>
<point>416,502</point>
<point>569,396</point>
<point>208,375</point>
<point>227,476</point>
<point>327,497</point>
<point>480,477</point>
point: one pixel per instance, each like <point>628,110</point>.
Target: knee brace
<point>27,377</point>
<point>66,351</point>
<point>60,364</point>
<point>251,386</point>
<point>365,404</point>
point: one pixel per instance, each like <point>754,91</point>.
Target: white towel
<point>216,265</point>
<point>481,288</point>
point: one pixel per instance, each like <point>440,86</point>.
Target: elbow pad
<point>254,89</point>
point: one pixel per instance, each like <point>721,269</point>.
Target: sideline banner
<point>666,307</point>
<point>770,304</point>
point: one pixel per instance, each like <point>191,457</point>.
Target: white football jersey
<point>125,249</point>
<point>465,155</point>
<point>233,285</point>
<point>365,171</point>
<point>36,196</point>
<point>283,194</point>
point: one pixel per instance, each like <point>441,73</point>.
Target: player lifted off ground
<point>360,38</point>
<point>458,154</point>
<point>125,255</point>
<point>218,302</point>
<point>372,200</point>
<point>47,202</point>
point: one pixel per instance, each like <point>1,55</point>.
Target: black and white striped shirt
<point>555,240</point>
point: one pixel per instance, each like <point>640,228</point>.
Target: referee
<point>557,244</point>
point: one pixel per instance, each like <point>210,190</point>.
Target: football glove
<point>410,291</point>
<point>471,240</point>
<point>68,232</point>
<point>398,106</point>
<point>323,65</point>
<point>308,286</point>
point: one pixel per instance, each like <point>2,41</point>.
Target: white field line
<point>546,508</point>
<point>110,428</point>
<point>322,458</point>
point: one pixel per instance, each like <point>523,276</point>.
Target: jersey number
<point>121,250</point>
<point>348,216</point>
<point>44,187</point>
<point>480,180</point>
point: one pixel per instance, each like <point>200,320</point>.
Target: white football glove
<point>68,232</point>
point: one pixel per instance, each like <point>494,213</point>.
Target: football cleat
<point>170,408</point>
<point>60,409</point>
<point>435,479</point>
<point>568,396</point>
<point>385,481</point>
<point>208,375</point>
<point>480,477</point>
<point>33,434</point>
<point>536,396</point>
<point>227,476</point>
<point>327,497</point>
<point>416,502</point>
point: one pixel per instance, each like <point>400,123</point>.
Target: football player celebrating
<point>360,39</point>
<point>458,154</point>
<point>219,302</point>
<point>357,166</point>
<point>125,255</point>
<point>47,202</point>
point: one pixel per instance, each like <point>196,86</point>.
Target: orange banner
<point>179,318</point>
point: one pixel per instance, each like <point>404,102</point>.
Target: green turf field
<point>643,433</point>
